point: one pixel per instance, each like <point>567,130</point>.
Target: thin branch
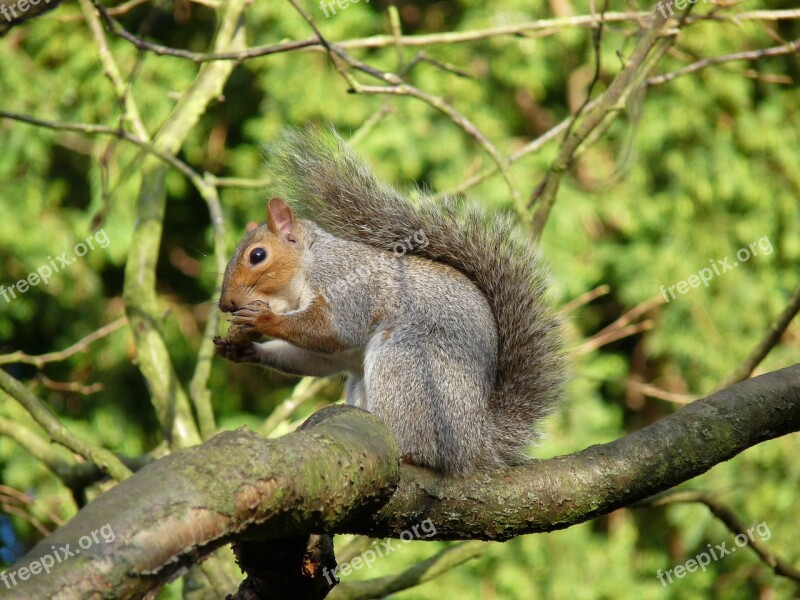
<point>237,182</point>
<point>23,514</point>
<point>382,41</point>
<point>23,499</point>
<point>121,88</point>
<point>631,315</point>
<point>80,346</point>
<point>116,11</point>
<point>198,386</point>
<point>596,341</point>
<point>529,148</point>
<point>779,565</point>
<point>461,121</point>
<point>70,386</point>
<point>197,57</point>
<point>769,341</point>
<point>34,444</point>
<point>93,129</point>
<point>104,459</point>
<point>556,130</point>
<point>305,390</point>
<point>367,126</point>
<point>398,87</point>
<point>75,476</point>
<point>586,297</point>
<point>788,48</point>
<point>654,392</point>
<point>437,565</point>
<point>648,51</point>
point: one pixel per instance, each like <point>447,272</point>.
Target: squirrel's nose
<point>227,306</point>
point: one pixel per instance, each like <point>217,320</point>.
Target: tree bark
<point>340,473</point>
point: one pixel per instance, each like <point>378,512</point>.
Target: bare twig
<point>23,513</point>
<point>305,390</point>
<point>367,126</point>
<point>11,495</point>
<point>529,148</point>
<point>33,443</point>
<point>70,386</point>
<point>654,392</point>
<point>398,87</point>
<point>198,57</point>
<point>733,523</point>
<point>440,563</point>
<point>551,26</point>
<point>586,297</point>
<point>111,69</point>
<point>79,346</point>
<point>237,182</point>
<point>93,129</point>
<point>631,315</point>
<point>598,340</point>
<point>104,459</point>
<point>788,48</point>
<point>650,48</point>
<point>766,344</point>
<point>116,11</point>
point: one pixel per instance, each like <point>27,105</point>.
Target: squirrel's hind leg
<point>434,404</point>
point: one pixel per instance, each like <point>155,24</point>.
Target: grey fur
<point>467,354</point>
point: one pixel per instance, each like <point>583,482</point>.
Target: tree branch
<point>80,346</point>
<point>348,468</point>
<point>177,510</point>
<point>779,565</point>
<point>765,345</point>
<point>104,459</point>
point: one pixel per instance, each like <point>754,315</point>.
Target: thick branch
<point>176,511</point>
<point>335,476</point>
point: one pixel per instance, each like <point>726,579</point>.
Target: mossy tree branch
<point>339,474</point>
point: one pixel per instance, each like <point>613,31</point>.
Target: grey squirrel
<point>451,341</point>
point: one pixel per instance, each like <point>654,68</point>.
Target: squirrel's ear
<point>251,225</point>
<point>280,220</point>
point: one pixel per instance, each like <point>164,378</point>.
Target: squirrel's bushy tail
<point>321,175</point>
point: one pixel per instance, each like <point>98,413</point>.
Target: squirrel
<point>436,310</point>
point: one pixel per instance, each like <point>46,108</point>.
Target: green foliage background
<point>709,167</point>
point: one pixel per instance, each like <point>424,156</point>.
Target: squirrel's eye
<point>257,255</point>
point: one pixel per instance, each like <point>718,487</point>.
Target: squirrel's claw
<point>248,316</point>
<point>235,352</point>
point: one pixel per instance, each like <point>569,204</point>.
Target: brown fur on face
<point>268,280</point>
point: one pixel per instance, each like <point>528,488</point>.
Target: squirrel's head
<point>266,262</point>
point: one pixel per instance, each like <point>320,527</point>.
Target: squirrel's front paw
<point>251,318</point>
<point>235,351</point>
